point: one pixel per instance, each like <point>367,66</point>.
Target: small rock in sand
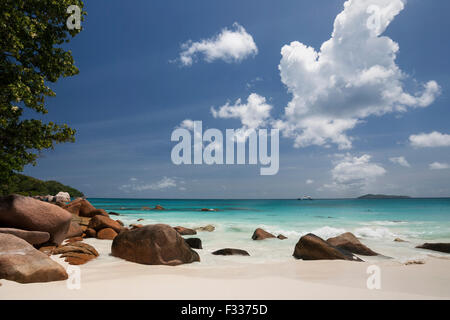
<point>77,253</point>
<point>441,247</point>
<point>231,252</point>
<point>208,228</point>
<point>69,248</point>
<point>414,262</point>
<point>84,245</point>
<point>76,258</point>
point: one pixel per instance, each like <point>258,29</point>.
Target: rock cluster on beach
<point>261,234</point>
<point>32,228</point>
<point>312,247</point>
<point>93,222</point>
<point>83,208</point>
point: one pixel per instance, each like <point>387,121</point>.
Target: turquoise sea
<point>376,222</point>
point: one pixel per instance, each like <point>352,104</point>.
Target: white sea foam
<point>383,223</point>
<point>276,230</point>
<point>323,232</point>
<point>328,232</point>
<point>287,233</point>
<point>377,233</point>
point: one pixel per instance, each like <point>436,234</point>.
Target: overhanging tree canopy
<point>32,33</point>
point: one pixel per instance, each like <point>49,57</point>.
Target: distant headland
<point>29,186</point>
<point>382,196</point>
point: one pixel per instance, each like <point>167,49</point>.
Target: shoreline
<point>268,199</point>
<point>267,270</point>
<point>108,277</point>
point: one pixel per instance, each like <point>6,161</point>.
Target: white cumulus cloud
<point>253,114</point>
<point>187,124</point>
<point>352,172</point>
<point>309,181</point>
<point>433,139</point>
<point>351,77</point>
<point>439,166</point>
<point>230,45</point>
<point>400,161</point>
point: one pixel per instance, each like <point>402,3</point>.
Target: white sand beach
<point>108,277</point>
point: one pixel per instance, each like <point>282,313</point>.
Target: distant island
<point>29,186</point>
<point>382,196</point>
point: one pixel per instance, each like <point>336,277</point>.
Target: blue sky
<point>133,91</point>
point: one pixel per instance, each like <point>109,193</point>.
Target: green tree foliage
<point>29,186</point>
<point>32,33</point>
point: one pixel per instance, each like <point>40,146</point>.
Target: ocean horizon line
<point>356,198</point>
